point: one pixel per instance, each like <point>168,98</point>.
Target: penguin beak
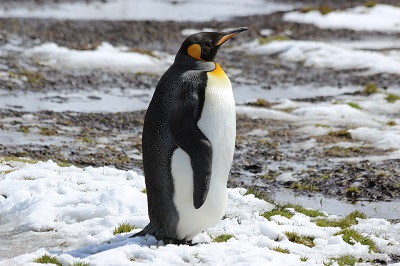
<point>229,34</point>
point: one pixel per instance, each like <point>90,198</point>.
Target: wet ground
<point>98,138</point>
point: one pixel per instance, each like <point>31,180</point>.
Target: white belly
<point>218,123</point>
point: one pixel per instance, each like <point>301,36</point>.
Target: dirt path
<point>98,139</point>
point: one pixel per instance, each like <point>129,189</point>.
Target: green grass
<point>392,98</point>
<point>46,259</point>
<point>352,192</point>
<point>370,88</point>
<point>257,193</point>
<point>18,159</point>
<point>344,133</point>
<point>283,210</point>
<point>24,129</point>
<point>351,236</point>
<point>323,9</point>
<point>277,211</point>
<point>391,123</point>
<point>281,250</point>
<point>345,222</point>
<point>80,264</point>
<point>354,105</point>
<point>222,238</point>
<point>348,260</point>
<point>304,187</point>
<point>370,4</point>
<point>303,258</point>
<point>303,240</point>
<point>48,132</point>
<point>272,38</point>
<point>123,228</point>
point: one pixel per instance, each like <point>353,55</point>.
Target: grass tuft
<point>294,237</point>
<point>281,250</point>
<point>303,258</point>
<point>46,259</point>
<point>392,98</point>
<point>123,228</point>
<point>222,238</point>
<point>370,4</point>
<point>265,40</point>
<point>348,260</point>
<point>80,264</point>
<point>345,222</point>
<point>354,105</point>
<point>351,236</point>
<point>370,88</point>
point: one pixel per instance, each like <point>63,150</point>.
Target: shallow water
<point>386,210</point>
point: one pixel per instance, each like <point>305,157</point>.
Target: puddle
<point>113,100</point>
<point>186,10</point>
<point>386,210</point>
<point>246,92</point>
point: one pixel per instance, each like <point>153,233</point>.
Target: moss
<point>222,238</point>
<point>24,129</point>
<point>144,191</point>
<point>303,240</point>
<point>277,211</point>
<point>281,250</point>
<point>392,98</point>
<point>303,258</point>
<point>348,260</point>
<point>272,38</point>
<point>63,163</point>
<point>18,159</point>
<point>323,9</point>
<point>352,192</point>
<point>123,228</point>
<point>354,105</point>
<point>391,123</point>
<point>345,222</point>
<point>48,132</point>
<point>344,133</point>
<point>260,103</point>
<point>303,187</point>
<point>351,237</point>
<point>321,125</point>
<point>370,88</point>
<point>141,51</point>
<point>46,259</point>
<point>337,151</point>
<point>306,211</point>
<point>79,264</point>
<point>257,193</point>
<point>370,4</point>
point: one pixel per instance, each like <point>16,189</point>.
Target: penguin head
<point>204,46</point>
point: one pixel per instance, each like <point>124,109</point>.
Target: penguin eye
<point>208,43</point>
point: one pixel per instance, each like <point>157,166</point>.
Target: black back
<point>171,122</point>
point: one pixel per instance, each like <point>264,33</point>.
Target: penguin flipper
<point>191,139</point>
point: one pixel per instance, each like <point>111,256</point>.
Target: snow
<point>325,55</point>
<point>78,209</point>
<point>105,56</point>
<point>378,18</point>
<point>185,10</point>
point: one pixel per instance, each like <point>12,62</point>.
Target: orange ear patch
<point>194,51</point>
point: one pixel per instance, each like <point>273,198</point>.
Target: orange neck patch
<point>194,51</point>
<point>218,71</point>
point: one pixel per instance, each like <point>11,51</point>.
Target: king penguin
<point>188,142</point>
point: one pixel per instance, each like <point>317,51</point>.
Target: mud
<point>98,139</point>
